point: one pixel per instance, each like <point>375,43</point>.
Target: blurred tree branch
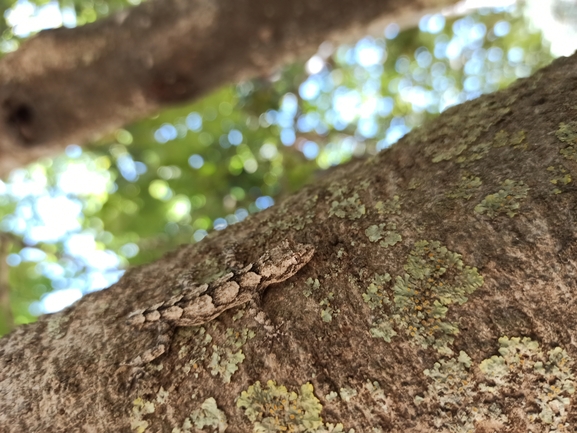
<point>68,86</point>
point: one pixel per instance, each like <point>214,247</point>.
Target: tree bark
<point>440,297</point>
<point>73,85</point>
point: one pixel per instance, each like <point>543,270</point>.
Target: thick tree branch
<point>71,85</point>
<point>439,265</point>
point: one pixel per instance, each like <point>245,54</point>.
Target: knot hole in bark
<point>19,116</point>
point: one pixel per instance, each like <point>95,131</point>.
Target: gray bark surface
<point>72,85</point>
<point>441,296</point>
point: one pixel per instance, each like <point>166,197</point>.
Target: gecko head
<point>283,261</point>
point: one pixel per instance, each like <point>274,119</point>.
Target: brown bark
<point>6,317</point>
<point>72,85</point>
<point>489,180</point>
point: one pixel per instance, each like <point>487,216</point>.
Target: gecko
<point>198,304</point>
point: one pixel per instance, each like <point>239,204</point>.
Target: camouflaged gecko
<point>200,303</point>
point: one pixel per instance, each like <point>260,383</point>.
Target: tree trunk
<point>73,85</point>
<point>440,297</point>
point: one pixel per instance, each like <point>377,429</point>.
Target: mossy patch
<point>506,201</point>
<point>435,279</point>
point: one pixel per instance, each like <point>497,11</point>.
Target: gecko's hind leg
<point>164,336</point>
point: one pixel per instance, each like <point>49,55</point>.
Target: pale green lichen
<point>517,140</point>
<point>436,278</point>
<point>197,351</point>
<point>225,358</point>
<point>383,328</point>
<point>501,139</point>
<point>238,315</point>
<point>453,388</point>
<point>333,428</point>
<point>466,188</point>
<point>467,138</point>
<point>287,219</point>
<point>347,393</point>
<point>465,397</point>
<point>363,185</point>
<point>162,396</point>
<point>450,153</point>
<point>57,325</point>
<point>209,415</point>
<point>389,207</point>
<point>479,151</point>
<point>350,207</point>
<point>561,178</point>
<point>507,200</point>
<point>301,221</point>
<point>375,295</point>
<point>386,232</point>
<point>312,286</point>
<point>328,311</point>
<point>140,408</point>
<point>275,409</point>
<point>331,396</point>
<point>376,392</point>
<point>567,133</point>
<point>549,377</point>
<point>327,314</point>
<point>345,205</point>
<point>413,184</point>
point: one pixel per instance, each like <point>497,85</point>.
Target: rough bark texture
<point>71,85</point>
<point>440,297</point>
